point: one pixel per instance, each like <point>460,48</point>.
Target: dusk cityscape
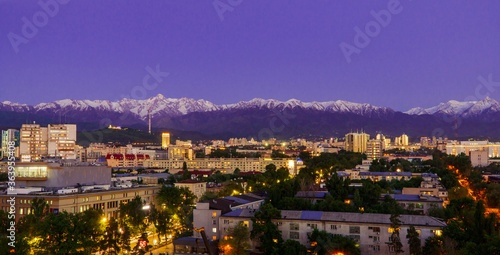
<point>328,127</point>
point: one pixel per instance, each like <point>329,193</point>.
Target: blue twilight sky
<point>429,52</point>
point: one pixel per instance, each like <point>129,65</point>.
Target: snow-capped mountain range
<point>262,116</point>
<point>161,106</point>
<point>468,109</point>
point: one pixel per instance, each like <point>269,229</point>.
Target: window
<point>333,227</point>
<point>294,235</point>
<point>214,238</point>
<point>214,214</point>
<point>354,229</point>
<point>214,230</point>
<point>214,222</point>
<point>391,230</point>
<point>294,226</point>
<point>438,232</point>
<point>313,225</point>
<point>419,206</point>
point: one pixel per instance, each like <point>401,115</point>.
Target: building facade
<point>356,142</point>
<point>10,135</point>
<point>197,187</point>
<point>244,164</point>
<point>371,231</point>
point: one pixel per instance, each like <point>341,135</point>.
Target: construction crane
<point>205,240</point>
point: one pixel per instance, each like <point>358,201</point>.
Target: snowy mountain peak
<point>457,108</point>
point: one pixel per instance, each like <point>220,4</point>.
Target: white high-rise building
<point>356,142</point>
<point>62,141</point>
<point>33,145</point>
<point>56,140</point>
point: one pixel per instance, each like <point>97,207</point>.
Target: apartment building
<point>197,187</point>
<point>356,142</point>
<point>244,164</point>
<point>33,145</point>
<point>207,213</point>
<point>374,149</point>
<point>371,231</point>
<point>61,140</point>
<point>55,140</point>
<point>9,136</point>
<point>126,160</point>
<point>75,200</point>
<point>458,147</point>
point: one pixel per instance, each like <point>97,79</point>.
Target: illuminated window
<point>438,232</point>
<point>214,214</point>
<point>214,230</point>
<point>214,238</point>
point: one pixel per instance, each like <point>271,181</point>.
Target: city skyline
<point>419,57</point>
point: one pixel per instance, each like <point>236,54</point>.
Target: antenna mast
<point>149,114</point>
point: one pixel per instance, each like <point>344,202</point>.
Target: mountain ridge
<point>258,116</point>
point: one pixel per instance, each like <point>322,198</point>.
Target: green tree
<point>338,187</point>
<point>133,215</point>
<point>209,195</point>
<point>185,172</point>
<point>238,243</point>
<point>293,247</point>
<point>324,243</point>
<point>111,240</point>
<point>395,240</point>
<point>433,246</point>
<point>265,230</point>
<point>414,241</point>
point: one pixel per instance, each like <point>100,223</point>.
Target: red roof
<point>115,156</point>
<point>201,172</point>
<point>190,181</point>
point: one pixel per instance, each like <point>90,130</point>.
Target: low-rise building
<point>197,187</point>
<point>418,203</point>
<point>73,199</point>
<point>371,231</point>
<point>244,164</point>
<point>206,214</point>
<point>435,191</point>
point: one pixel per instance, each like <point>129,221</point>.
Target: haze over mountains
<point>260,118</point>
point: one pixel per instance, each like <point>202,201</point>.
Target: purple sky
<point>429,52</point>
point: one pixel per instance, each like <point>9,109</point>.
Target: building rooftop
<point>368,218</point>
<point>190,181</point>
<point>386,174</point>
<point>312,194</point>
<point>227,203</point>
<point>416,198</point>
